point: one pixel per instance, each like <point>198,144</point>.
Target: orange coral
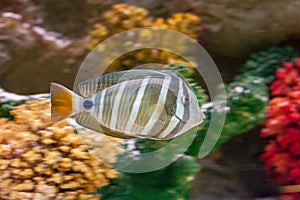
<point>44,160</point>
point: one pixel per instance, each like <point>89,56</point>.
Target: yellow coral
<point>44,160</point>
<point>186,23</point>
<point>124,17</point>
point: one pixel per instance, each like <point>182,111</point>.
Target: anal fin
<point>85,119</point>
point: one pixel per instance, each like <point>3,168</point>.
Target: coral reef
<point>124,17</point>
<point>152,185</point>
<point>281,155</point>
<point>247,95</point>
<point>9,100</point>
<point>264,63</point>
<point>44,160</point>
<point>245,108</point>
<point>247,100</point>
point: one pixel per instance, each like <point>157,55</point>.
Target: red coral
<point>282,155</point>
<point>294,196</point>
<point>288,79</point>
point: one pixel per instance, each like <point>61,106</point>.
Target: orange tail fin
<point>63,102</point>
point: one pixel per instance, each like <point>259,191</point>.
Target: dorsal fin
<point>85,119</point>
<point>89,87</point>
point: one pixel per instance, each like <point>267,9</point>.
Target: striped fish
<point>130,104</point>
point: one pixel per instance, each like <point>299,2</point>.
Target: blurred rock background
<point>43,41</point>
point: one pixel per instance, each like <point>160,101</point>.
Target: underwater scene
<point>149,100</point>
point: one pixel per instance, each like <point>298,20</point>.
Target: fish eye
<point>185,100</point>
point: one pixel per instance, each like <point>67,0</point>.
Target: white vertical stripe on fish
<point>149,99</point>
<point>112,94</point>
<point>190,105</point>
<point>172,124</point>
<point>96,100</point>
<point>124,110</point>
<point>94,88</point>
<point>84,87</point>
<point>135,107</point>
<point>155,115</point>
<point>106,105</point>
<point>116,107</point>
<point>179,105</point>
<point>101,105</point>
<point>88,87</point>
<point>91,86</point>
<point>130,97</point>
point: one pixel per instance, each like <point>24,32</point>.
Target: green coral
<point>247,97</point>
<point>247,100</point>
<point>7,106</point>
<point>265,63</point>
<point>169,183</point>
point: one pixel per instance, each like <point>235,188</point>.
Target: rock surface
<point>13,38</point>
<point>236,28</point>
<point>235,172</point>
<point>28,51</point>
